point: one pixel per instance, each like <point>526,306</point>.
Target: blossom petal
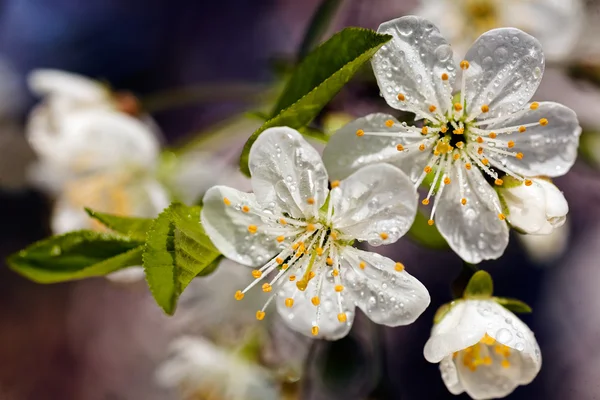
<point>506,67</point>
<point>474,230</point>
<point>490,381</point>
<point>387,296</point>
<point>61,83</point>
<point>450,376</point>
<point>375,200</point>
<point>548,150</point>
<point>458,330</point>
<point>346,152</point>
<point>303,316</point>
<point>412,63</point>
<point>288,172</point>
<point>92,139</point>
<point>227,226</point>
<point>526,207</point>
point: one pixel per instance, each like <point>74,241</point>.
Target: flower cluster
<point>484,156</point>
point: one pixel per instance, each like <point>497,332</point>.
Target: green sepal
<point>177,250</point>
<point>76,255</point>
<point>514,305</point>
<point>133,227</point>
<point>442,311</point>
<point>480,286</point>
<point>317,79</point>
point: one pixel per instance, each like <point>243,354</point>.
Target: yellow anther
<point>335,272</point>
<point>301,285</point>
<point>480,150</point>
<point>499,182</point>
<point>432,108</point>
<point>425,202</point>
<point>335,184</point>
<point>501,217</point>
<point>246,209</point>
<point>430,222</point>
<point>460,145</point>
<point>292,278</point>
<point>252,228</point>
<point>447,181</point>
<point>468,165</point>
<point>528,182</point>
<point>487,339</point>
<point>479,139</point>
<point>338,288</point>
<point>511,144</point>
<point>315,301</point>
<point>424,130</point>
<point>399,267</point>
<point>362,265</point>
<point>519,156</point>
<point>463,201</point>
<point>296,245</point>
<point>256,273</point>
<point>282,221</point>
<point>284,267</point>
<point>334,235</point>
<point>383,235</point>
<point>226,201</point>
<point>319,251</point>
<point>522,129</point>
<point>534,105</point>
<point>279,260</point>
<point>260,315</point>
<point>310,200</point>
<point>421,147</point>
<point>457,106</point>
<point>401,97</point>
<point>389,123</point>
<point>329,261</point>
<point>459,131</point>
<point>310,227</point>
<point>505,363</point>
<point>360,132</point>
<point>543,122</point>
<point>464,64</point>
<point>400,147</point>
<point>266,288</point>
<point>487,360</point>
<point>239,295</point>
<point>289,302</point>
<point>445,76</point>
<point>492,135</point>
<point>485,161</point>
<point>342,317</point>
<point>456,156</point>
<point>427,169</point>
<point>315,330</point>
<point>444,129</point>
<point>436,152</point>
<point>485,108</point>
<point>280,238</point>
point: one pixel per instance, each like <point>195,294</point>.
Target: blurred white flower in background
<point>557,24</point>
<point>295,227</point>
<point>468,144</point>
<point>201,370</point>
<point>483,349</point>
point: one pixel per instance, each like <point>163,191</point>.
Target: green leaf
<point>426,235</point>
<point>318,25</point>
<point>76,255</point>
<point>133,227</point>
<point>480,286</point>
<point>177,250</point>
<point>318,78</point>
<point>514,305</point>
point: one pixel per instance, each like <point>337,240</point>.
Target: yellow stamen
<point>401,97</point>
<point>485,108</point>
<point>342,317</point>
<point>480,150</point>
<point>432,108</point>
<point>289,302</point>
<point>260,315</point>
<point>427,169</point>
<point>360,132</point>
<point>456,156</point>
<point>468,165</point>
<point>511,144</point>
<point>301,285</point>
<point>383,235</point>
<point>315,301</point>
<point>534,105</point>
<point>335,272</point>
<point>459,131</point>
<point>457,106</point>
<point>543,122</point>
<point>389,123</point>
<point>256,273</point>
<point>339,288</point>
<point>315,330</point>
<point>528,182</point>
<point>246,209</point>
<point>445,76</point>
<point>280,238</point>
<point>399,267</point>
<point>499,182</point>
<point>505,363</point>
<point>239,295</point>
<point>252,228</point>
<point>430,222</point>
<point>267,288</point>
<point>460,145</point>
<point>400,147</point>
<point>335,184</point>
<point>282,221</point>
<point>292,278</point>
<point>319,251</point>
<point>522,129</point>
<point>446,181</point>
<point>421,147</point>
<point>310,200</point>
<point>492,135</point>
<point>334,235</point>
<point>279,260</point>
<point>424,130</point>
<point>226,201</point>
<point>479,139</point>
<point>519,156</point>
<point>485,161</point>
<point>284,267</point>
<point>362,265</point>
<point>464,64</point>
<point>425,202</point>
<point>501,217</point>
<point>329,261</point>
<point>310,228</point>
<point>444,129</point>
<point>463,201</point>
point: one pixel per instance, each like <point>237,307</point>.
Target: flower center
<point>485,353</point>
<point>483,15</point>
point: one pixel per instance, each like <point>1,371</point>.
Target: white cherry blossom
<point>538,209</point>
<point>466,144</point>
<point>300,234</point>
<point>462,21</point>
<point>483,350</point>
